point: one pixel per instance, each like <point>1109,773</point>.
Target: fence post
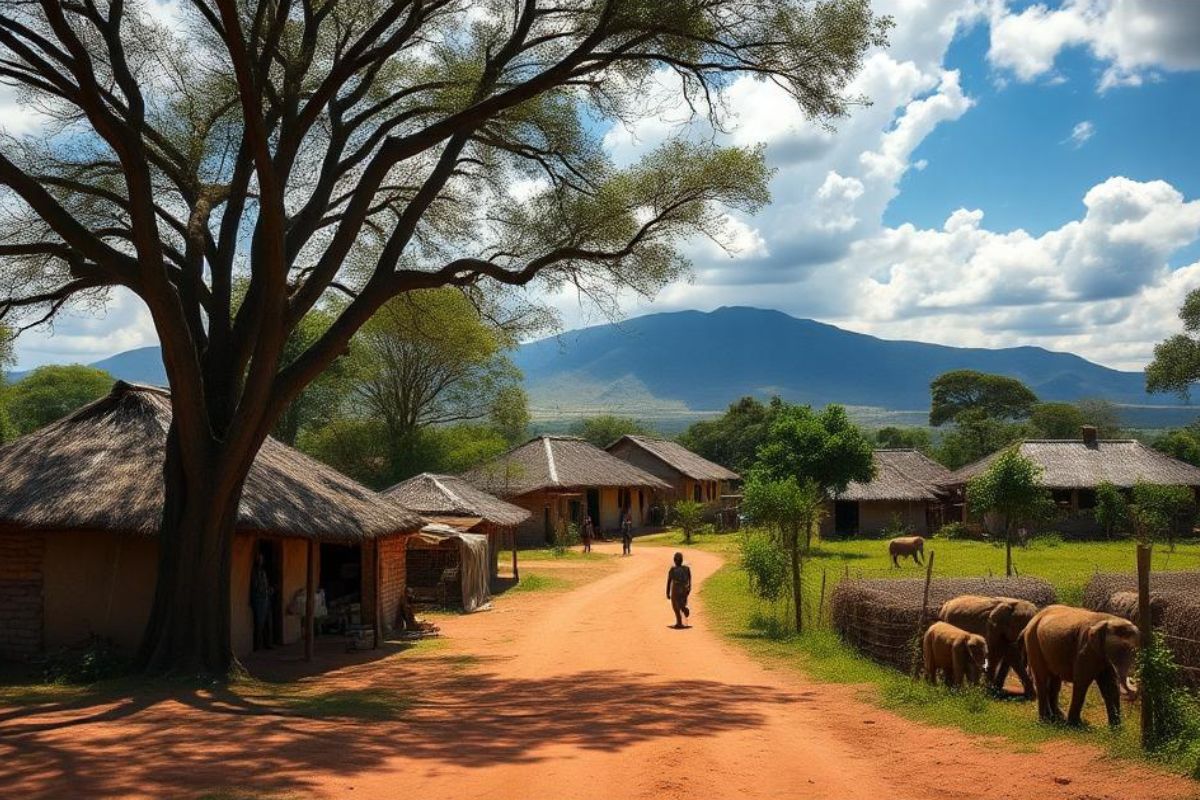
<point>924,615</point>
<point>821,603</point>
<point>1145,625</point>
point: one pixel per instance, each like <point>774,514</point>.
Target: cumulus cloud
<point>1133,38</point>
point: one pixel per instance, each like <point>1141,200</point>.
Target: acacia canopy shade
<point>101,468</point>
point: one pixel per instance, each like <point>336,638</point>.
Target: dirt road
<point>584,694</point>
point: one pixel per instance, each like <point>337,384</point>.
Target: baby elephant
<point>906,546</point>
<point>1001,621</point>
<point>1064,643</point>
<point>957,653</point>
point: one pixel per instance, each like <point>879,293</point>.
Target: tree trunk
<point>188,631</point>
<point>796,588</point>
<point>1007,548</point>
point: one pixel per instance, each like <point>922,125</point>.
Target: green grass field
<point>820,654</point>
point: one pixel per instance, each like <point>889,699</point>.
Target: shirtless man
<point>679,586</point>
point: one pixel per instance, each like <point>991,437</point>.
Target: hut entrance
<point>272,555</point>
<point>341,581</point>
<point>845,517</point>
<point>593,506</point>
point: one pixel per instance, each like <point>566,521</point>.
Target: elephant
<point>1064,643</point>
<point>1000,621</point>
<point>906,546</point>
<point>957,653</point>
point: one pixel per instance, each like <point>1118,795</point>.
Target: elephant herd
<point>977,637</point>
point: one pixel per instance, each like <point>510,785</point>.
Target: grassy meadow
<point>760,628</point>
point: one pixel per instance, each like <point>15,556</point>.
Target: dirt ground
<point>585,693</point>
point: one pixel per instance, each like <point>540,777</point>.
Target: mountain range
<point>688,363</point>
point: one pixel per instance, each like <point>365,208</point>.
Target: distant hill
<point>673,368</point>
<point>703,361</point>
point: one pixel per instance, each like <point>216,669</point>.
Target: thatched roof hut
<point>901,475</point>
<point>100,469</point>
<point>675,456</point>
<point>439,496</point>
<point>557,462</point>
<point>1085,464</point>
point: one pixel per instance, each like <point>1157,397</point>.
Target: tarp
<point>473,563</point>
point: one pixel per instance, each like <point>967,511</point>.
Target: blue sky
<point>1026,175</point>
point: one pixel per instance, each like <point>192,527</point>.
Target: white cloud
<point>1080,134</point>
<point>1132,37</point>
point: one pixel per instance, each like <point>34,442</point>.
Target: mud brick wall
<point>393,563</point>
<point>21,558</point>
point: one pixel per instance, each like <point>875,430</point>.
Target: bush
<point>564,538</point>
<point>766,564</point>
<point>1047,540</point>
<point>895,528</point>
<point>96,660</point>
<point>1176,713</point>
<point>953,530</point>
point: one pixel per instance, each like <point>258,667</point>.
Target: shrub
<point>688,514</point>
<point>766,564</point>
<point>565,537</point>
<point>953,530</point>
<point>1176,713</point>
<point>895,527</point>
<point>1112,510</point>
<point>96,660</point>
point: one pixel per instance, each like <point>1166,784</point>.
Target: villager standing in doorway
<point>679,586</point>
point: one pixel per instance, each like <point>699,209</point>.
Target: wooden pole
<point>821,603</point>
<point>924,613</point>
<point>1145,628</point>
<point>378,593</point>
<point>516,572</point>
<point>310,600</point>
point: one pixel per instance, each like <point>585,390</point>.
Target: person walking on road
<point>627,534</point>
<point>679,586</point>
<point>587,534</point>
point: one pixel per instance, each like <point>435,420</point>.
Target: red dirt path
<point>583,694</point>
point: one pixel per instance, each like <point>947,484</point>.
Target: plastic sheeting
<point>474,560</point>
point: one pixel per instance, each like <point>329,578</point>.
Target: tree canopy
<point>1176,363</point>
<point>52,392</point>
<point>996,396</point>
<point>733,438</point>
<point>1010,488</point>
<point>894,437</point>
<point>604,429</point>
<point>822,448</point>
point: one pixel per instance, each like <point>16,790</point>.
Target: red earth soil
<point>579,694</point>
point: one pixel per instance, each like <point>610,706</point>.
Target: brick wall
<point>21,559</point>
<point>393,561</point>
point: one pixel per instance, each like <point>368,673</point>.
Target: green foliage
<point>895,437</point>
<point>997,396</point>
<point>1181,443</point>
<point>52,392</point>
<point>824,449</point>
<point>953,530</point>
<point>605,429</point>
<point>355,447</point>
<point>733,438</point>
<point>1175,712</point>
<point>1102,415</point>
<point>1176,363</point>
<point>894,528</point>
<point>509,414</point>
<point>565,537</point>
<point>1011,488</point>
<point>1157,511</point>
<point>97,660</point>
<point>1056,420</point>
<point>322,400</point>
<point>1112,510</point>
<point>687,516</point>
<point>976,435</point>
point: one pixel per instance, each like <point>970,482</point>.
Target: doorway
<point>341,579</point>
<point>272,555</point>
<point>845,517</point>
<point>593,507</point>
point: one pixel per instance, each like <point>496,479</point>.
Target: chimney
<point>1090,438</point>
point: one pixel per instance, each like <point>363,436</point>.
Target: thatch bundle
<point>882,618</point>
<point>1174,610</point>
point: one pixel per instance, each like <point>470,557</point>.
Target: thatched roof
<point>900,475</point>
<point>557,462</point>
<point>101,469</point>
<point>450,496</point>
<point>1068,464</point>
<point>679,458</point>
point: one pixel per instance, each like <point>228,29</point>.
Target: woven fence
<point>882,618</point>
<point>1174,610</point>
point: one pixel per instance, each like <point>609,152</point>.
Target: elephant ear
<point>1093,639</point>
<point>1000,616</point>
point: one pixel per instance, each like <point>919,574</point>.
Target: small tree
<point>1157,511</point>
<point>688,515</point>
<point>1010,487</point>
<point>790,510</point>
<point>1112,509</point>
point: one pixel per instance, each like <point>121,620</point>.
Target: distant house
<point>906,489</point>
<point>690,476</point>
<point>80,510</point>
<point>560,478</point>
<point>451,500</point>
<point>1072,469</point>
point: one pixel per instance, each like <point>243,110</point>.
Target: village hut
<point>905,491</point>
<point>450,500</point>
<point>80,509</point>
<point>559,479</point>
<point>449,567</point>
<point>690,476</point>
<point>1073,469</point>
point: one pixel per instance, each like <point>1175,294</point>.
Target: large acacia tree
<point>361,148</point>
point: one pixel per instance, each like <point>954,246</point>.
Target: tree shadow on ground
<point>199,738</point>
